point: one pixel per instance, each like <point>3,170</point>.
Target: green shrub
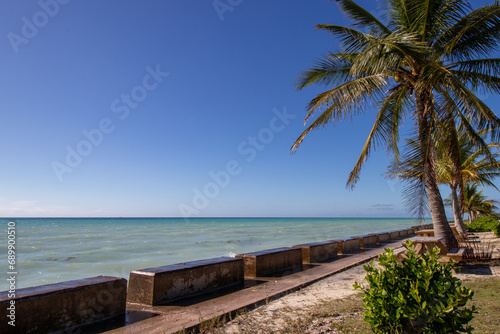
<point>420,295</point>
<point>483,224</point>
<point>496,229</point>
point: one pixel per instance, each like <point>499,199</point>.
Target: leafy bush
<point>496,229</point>
<point>484,224</point>
<point>420,295</point>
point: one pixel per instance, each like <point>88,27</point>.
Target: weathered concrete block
<point>348,246</point>
<point>367,241</point>
<point>403,233</point>
<point>267,262</point>
<point>409,232</point>
<point>159,285</point>
<point>63,306</point>
<point>383,238</point>
<point>394,235</point>
<point>318,251</point>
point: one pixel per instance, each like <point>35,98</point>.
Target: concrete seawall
<point>64,306</point>
<point>154,292</point>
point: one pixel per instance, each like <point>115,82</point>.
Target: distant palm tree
<point>476,204</point>
<point>424,64</point>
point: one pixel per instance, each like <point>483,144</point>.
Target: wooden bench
<point>423,244</point>
<point>455,254</point>
<point>347,246</point>
<point>460,237</point>
<point>454,230</point>
<point>271,261</point>
<point>399,253</point>
<point>425,233</point>
<point>318,251</point>
<point>154,286</point>
<point>62,307</point>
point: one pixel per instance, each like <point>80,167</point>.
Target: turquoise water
<point>51,250</point>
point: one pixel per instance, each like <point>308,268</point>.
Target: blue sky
<point>172,108</point>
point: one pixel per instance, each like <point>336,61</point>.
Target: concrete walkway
<point>189,313</point>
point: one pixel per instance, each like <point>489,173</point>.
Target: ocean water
<point>51,250</point>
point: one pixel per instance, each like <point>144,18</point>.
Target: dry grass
<point>487,301</point>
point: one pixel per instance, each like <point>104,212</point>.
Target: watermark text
<point>11,273</point>
<point>120,107</point>
<point>247,149</point>
<point>32,24</point>
<point>223,6</point>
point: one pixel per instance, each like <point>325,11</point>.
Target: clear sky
<point>176,108</point>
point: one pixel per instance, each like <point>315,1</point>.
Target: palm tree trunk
<point>457,211</point>
<point>436,206</point>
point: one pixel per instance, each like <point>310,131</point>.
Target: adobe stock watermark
<point>11,273</point>
<point>248,151</point>
<point>121,108</point>
<point>223,6</point>
<point>31,25</point>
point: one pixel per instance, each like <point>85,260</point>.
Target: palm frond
<point>473,108</point>
<point>387,55</point>
<point>410,170</point>
<point>385,129</point>
<point>342,102</point>
<point>475,35</point>
<point>415,196</point>
<point>332,69</point>
<point>490,66</point>
<point>348,99</point>
<point>424,17</point>
<point>363,18</point>
<point>353,40</point>
<point>479,82</point>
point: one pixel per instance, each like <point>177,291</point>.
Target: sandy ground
<point>271,317</point>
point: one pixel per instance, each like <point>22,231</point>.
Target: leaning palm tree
<point>476,204</point>
<point>428,53</point>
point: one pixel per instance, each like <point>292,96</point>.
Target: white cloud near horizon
<point>30,208</point>
<point>382,207</point>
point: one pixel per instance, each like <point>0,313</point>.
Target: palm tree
<point>473,165</point>
<point>424,63</point>
<point>476,204</point>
